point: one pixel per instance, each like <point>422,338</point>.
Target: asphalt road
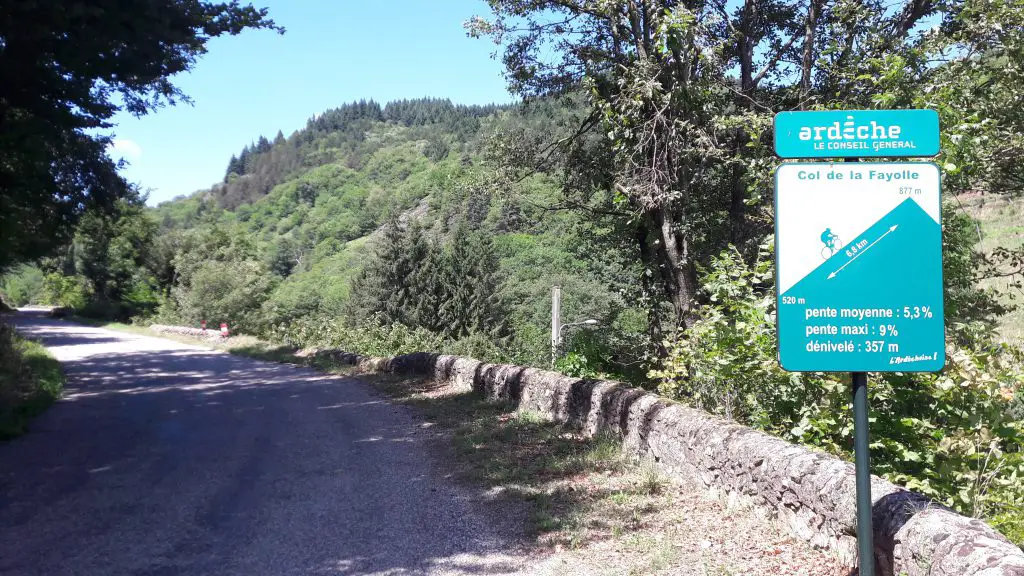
<point>167,459</point>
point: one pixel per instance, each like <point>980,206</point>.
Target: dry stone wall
<point>810,493</point>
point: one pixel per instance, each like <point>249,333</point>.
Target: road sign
<point>857,133</point>
<point>859,267</point>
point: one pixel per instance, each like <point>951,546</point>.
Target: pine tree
<point>477,206</point>
<point>416,280</point>
<point>484,314</point>
<point>384,286</point>
<point>262,145</point>
<point>511,219</point>
<point>233,167</point>
<point>369,288</point>
<point>306,193</point>
<point>470,286</point>
<point>429,289</point>
<point>279,139</point>
<point>244,161</point>
<point>457,284</point>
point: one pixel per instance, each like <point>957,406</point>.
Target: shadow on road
<point>167,460</point>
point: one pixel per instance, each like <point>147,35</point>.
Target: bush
<point>479,346</point>
<point>620,351</point>
<point>376,337</point>
<point>231,292</point>
<point>379,339</point>
<point>30,380</point>
<point>66,291</point>
<point>372,337</point>
<point>23,286</point>
<point>727,364</point>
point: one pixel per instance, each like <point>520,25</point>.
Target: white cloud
<point>125,148</point>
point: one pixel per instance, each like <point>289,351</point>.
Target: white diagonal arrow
<point>850,261</point>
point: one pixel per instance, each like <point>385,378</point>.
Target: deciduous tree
<point>66,67</point>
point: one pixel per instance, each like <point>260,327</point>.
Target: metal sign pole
<point>865,531</point>
<point>862,466</point>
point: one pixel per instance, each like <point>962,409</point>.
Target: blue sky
<point>335,51</point>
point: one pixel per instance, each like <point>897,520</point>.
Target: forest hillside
<point>292,229</point>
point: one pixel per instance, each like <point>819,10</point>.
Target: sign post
<point>858,259</point>
<point>862,471</point>
<point>556,322</point>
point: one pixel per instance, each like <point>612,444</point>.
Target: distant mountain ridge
<point>338,134</point>
<point>299,213</point>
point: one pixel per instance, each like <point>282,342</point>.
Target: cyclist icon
<point>832,243</point>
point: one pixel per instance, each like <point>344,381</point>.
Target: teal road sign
<point>857,133</point>
<point>859,267</point>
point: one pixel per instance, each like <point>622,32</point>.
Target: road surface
<point>167,459</point>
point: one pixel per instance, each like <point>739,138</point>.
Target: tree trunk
<point>737,191</point>
<point>678,270</point>
<point>649,283</point>
<point>807,65</point>
<point>746,46</point>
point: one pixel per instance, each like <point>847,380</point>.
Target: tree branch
<point>771,63</point>
<point>912,13</point>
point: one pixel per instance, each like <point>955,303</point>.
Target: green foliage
<point>355,169</point>
<point>112,251</point>
<point>977,94</point>
<point>113,266</point>
<point>619,351</point>
<point>975,311</point>
<point>30,380</point>
<point>451,290</point>
<point>576,364</point>
<point>22,286</point>
<point>726,363</point>
<point>467,286</point>
<point>372,336</point>
<point>66,291</point>
<point>473,259</point>
<point>952,436</point>
<point>479,345</point>
<point>230,292</point>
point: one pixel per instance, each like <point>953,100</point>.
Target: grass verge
<point>30,380</point>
